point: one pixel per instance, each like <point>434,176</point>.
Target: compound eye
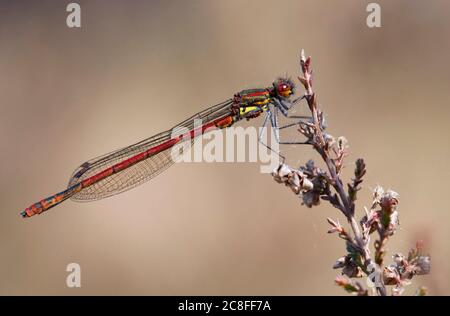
<point>282,87</point>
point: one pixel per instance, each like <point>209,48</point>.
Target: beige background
<point>136,68</point>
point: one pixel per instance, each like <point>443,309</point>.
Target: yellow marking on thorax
<point>245,110</point>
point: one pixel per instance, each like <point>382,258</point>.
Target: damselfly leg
<point>272,117</point>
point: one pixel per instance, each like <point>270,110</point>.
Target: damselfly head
<point>284,87</point>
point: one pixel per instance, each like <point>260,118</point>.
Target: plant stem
<point>347,207</point>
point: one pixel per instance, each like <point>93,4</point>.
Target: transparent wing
<point>143,170</point>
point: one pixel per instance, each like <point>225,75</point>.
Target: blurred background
<point>137,68</point>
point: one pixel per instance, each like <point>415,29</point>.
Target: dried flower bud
<point>399,259</point>
<point>281,171</point>
<point>391,223</point>
<point>377,193</point>
<point>306,184</point>
<point>422,265</point>
<point>302,56</point>
<point>389,201</point>
<point>391,275</point>
<point>342,143</point>
<point>310,165</point>
<point>340,263</point>
<point>294,182</point>
<point>295,179</point>
<point>352,271</point>
<point>360,169</point>
<point>349,267</point>
<point>311,198</point>
<point>388,215</point>
<point>329,140</point>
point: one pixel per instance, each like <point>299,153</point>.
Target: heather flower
<point>295,179</point>
<point>422,265</point>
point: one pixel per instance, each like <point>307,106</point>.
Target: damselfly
<point>128,167</point>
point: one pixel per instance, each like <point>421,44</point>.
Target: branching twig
<point>314,184</point>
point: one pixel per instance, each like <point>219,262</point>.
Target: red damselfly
<point>128,167</point>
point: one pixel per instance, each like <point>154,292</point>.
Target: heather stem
<point>319,144</point>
